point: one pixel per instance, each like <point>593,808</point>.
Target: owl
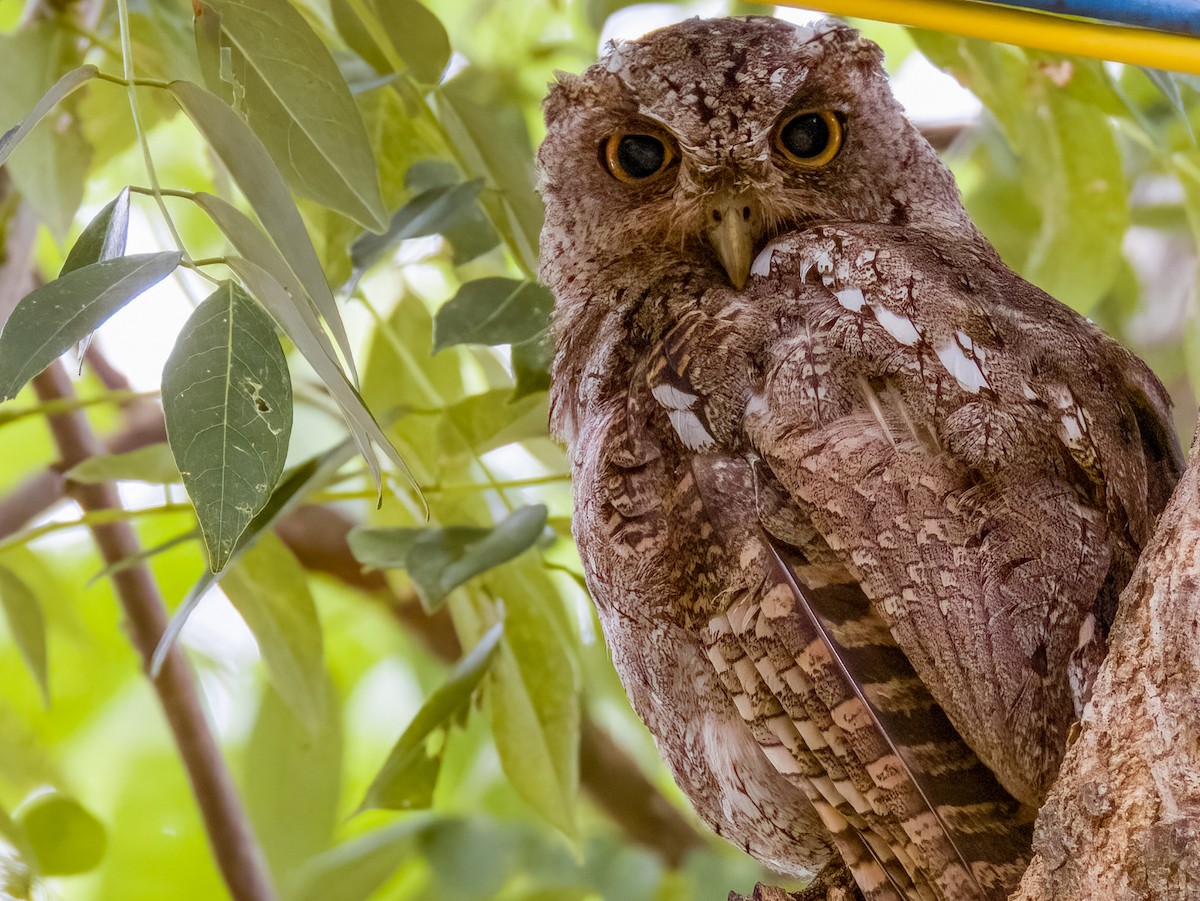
<point>854,501</point>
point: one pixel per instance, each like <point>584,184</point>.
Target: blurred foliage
<point>357,176</point>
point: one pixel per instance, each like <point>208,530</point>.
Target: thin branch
<point>30,499</point>
<point>235,848</point>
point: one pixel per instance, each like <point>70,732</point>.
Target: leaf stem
<point>62,406</point>
<point>131,84</point>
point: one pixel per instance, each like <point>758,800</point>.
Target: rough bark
<point>1123,820</point>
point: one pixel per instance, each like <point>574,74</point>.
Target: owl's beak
<point>736,223</point>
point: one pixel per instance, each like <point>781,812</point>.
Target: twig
<point>34,496</point>
<point>229,832</point>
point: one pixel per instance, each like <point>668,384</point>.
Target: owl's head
<point>713,136</point>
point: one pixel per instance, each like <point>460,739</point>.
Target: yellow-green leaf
<point>270,591</point>
<point>65,836</point>
<point>408,776</point>
<point>27,624</point>
<point>295,99</point>
<point>153,463</point>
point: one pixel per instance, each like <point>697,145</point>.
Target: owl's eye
<point>810,138</point>
<point>635,157</point>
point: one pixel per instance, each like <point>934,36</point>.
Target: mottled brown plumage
<point>854,501</point>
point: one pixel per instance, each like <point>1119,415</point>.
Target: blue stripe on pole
<point>1178,16</point>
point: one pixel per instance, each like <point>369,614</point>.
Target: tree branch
<point>1123,819</point>
<point>229,832</point>
<point>34,496</point>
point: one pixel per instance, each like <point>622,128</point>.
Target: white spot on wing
<point>672,398</point>
<point>897,325</point>
<point>1071,429</point>
<point>852,299</point>
<point>762,262</point>
<point>691,430</point>
<point>964,369</point>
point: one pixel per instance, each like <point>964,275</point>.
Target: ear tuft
<point>564,94</point>
<point>848,42</point>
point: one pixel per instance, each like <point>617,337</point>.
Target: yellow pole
<point>1138,46</point>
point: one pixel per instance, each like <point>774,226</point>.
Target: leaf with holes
<point>227,399</point>
<point>250,165</point>
<point>59,313</point>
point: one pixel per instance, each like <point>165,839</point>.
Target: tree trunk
<point>1123,819</point>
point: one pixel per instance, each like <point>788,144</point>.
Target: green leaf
<point>431,212</point>
<point>493,419</point>
<point>52,162</point>
<point>408,776</point>
<point>50,319</point>
<point>319,353</point>
<point>27,624</point>
<point>61,89</point>
<point>270,591</point>
<point>297,102</point>
<point>355,869</point>
<point>227,400</point>
<point>492,142</point>
<point>104,238</point>
<point>248,162</point>
<point>65,837</point>
<point>531,366</point>
<point>533,690</point>
<point>439,560</point>
<point>493,311</point>
<point>1054,114</point>
<point>1168,84</point>
<point>281,754</point>
<point>395,31</point>
<point>153,463</point>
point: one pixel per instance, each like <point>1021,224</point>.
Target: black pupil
<point>806,136</point>
<point>640,156</point>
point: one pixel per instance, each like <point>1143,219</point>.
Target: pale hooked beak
<point>734,229</point>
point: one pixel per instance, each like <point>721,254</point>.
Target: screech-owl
<point>855,501</point>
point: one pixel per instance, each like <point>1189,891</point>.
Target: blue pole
<point>1176,16</point>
